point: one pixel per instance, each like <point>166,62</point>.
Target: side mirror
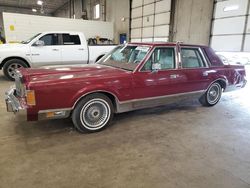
<point>39,43</point>
<point>156,67</point>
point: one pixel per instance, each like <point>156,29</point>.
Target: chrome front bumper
<point>13,104</point>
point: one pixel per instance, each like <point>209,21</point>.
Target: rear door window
<point>69,39</point>
<point>191,58</point>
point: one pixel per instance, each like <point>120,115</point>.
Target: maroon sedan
<point>132,76</point>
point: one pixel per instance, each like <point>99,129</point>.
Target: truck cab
<point>50,48</point>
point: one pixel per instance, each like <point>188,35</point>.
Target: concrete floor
<point>173,146</point>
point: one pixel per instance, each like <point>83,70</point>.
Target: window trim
<point>152,51</point>
<point>201,54</point>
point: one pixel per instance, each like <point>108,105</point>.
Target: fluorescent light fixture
<point>34,10</point>
<point>39,2</point>
<point>97,11</point>
<point>231,8</point>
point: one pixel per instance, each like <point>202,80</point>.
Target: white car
<point>234,58</point>
<point>50,48</point>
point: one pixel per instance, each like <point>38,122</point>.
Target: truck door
<point>74,49</point>
<point>48,53</point>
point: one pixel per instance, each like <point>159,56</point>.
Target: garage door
<point>231,26</point>
<point>150,20</point>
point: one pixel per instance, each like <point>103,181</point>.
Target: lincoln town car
<point>132,76</point>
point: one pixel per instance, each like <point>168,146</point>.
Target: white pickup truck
<point>50,48</point>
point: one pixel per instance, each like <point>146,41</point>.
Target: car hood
<point>8,47</point>
<point>63,73</point>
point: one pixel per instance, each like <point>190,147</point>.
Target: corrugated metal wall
<point>231,25</point>
<point>150,20</point>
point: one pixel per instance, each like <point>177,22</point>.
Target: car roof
<point>164,44</point>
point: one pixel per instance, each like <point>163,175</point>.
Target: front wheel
<point>10,66</point>
<point>93,113</point>
<point>212,95</point>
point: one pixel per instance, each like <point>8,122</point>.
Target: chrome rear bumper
<point>13,104</point>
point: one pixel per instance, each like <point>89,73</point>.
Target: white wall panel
<point>148,21</point>
<point>226,43</point>
<point>136,33</point>
<point>162,6</point>
<point>163,39</point>
<point>136,3</point>
<point>247,44</point>
<point>26,26</point>
<point>163,18</point>
<point>248,25</point>
<point>161,31</point>
<point>135,23</point>
<point>147,40</point>
<point>148,1</point>
<point>233,25</point>
<point>240,7</point>
<point>147,32</point>
<point>136,40</point>
<point>148,9</point>
<point>136,12</point>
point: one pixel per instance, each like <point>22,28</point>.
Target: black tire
<point>11,65</point>
<point>212,95</point>
<point>91,110</point>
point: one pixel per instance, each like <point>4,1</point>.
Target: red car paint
<point>58,88</point>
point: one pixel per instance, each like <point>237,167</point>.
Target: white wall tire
<point>212,95</point>
<point>93,113</point>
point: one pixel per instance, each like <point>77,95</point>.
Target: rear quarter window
<point>213,58</point>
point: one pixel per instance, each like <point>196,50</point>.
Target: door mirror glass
<point>39,43</point>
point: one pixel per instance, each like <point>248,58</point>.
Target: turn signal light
<point>30,97</point>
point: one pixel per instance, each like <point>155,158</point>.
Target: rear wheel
<point>93,113</point>
<point>11,65</point>
<point>212,95</point>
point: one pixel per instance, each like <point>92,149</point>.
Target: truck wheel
<point>93,113</point>
<point>212,95</point>
<point>11,65</point>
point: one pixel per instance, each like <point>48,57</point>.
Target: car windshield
<point>30,39</point>
<point>125,56</point>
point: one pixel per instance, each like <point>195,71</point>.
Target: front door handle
<point>80,49</point>
<point>173,76</point>
<point>55,49</point>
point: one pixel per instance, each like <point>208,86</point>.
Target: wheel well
<point>109,95</point>
<point>99,57</point>
<point>222,84</point>
<point>9,58</point>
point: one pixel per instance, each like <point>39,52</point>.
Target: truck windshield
<point>30,39</point>
<point>125,57</point>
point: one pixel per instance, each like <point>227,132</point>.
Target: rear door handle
<point>205,73</point>
<point>80,49</point>
<point>55,49</point>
